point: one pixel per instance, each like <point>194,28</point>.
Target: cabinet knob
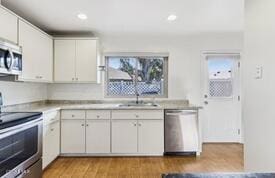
<point>87,125</point>
<point>97,116</point>
<point>137,116</point>
<point>135,124</point>
<point>72,79</point>
<point>73,115</point>
<point>52,129</point>
<point>83,125</point>
<point>139,124</point>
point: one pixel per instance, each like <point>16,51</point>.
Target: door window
<point>220,77</point>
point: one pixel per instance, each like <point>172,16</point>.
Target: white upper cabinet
<point>37,52</point>
<point>64,55</point>
<point>86,60</point>
<point>8,24</point>
<point>75,60</point>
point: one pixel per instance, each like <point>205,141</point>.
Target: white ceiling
<point>120,17</point>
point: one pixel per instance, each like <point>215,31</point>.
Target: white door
<point>124,136</point>
<point>64,60</point>
<point>150,136</point>
<point>221,95</point>
<point>86,60</point>
<point>98,136</point>
<point>72,136</point>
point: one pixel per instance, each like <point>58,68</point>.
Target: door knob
<point>205,102</point>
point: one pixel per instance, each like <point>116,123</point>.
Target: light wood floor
<point>215,158</point>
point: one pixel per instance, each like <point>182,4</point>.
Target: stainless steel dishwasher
<point>181,132</point>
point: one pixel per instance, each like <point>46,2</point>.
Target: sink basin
<point>139,105</point>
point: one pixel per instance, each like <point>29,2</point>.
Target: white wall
<point>184,62</point>
<point>258,106</point>
<point>18,92</point>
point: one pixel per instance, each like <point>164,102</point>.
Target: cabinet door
<point>8,24</point>
<point>124,136</point>
<point>51,142</point>
<point>73,136</point>
<point>98,136</point>
<point>36,52</point>
<point>64,60</point>
<point>55,140</point>
<point>45,62</point>
<point>86,60</point>
<point>150,136</point>
<point>46,146</point>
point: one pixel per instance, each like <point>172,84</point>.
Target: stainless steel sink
<point>139,105</point>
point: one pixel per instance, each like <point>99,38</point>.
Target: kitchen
<point>86,92</point>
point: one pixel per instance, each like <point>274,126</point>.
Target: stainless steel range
<point>20,145</point>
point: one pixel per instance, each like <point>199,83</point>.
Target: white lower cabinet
<point>98,136</point>
<point>98,132</point>
<point>51,138</point>
<point>150,136</point>
<point>72,136</point>
<point>124,136</point>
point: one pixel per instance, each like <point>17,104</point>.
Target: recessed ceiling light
<point>171,17</point>
<point>82,16</point>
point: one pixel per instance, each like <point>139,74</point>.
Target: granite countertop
<point>52,106</point>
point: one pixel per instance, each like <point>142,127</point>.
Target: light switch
<point>259,73</point>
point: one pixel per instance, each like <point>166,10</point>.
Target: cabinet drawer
<point>73,114</point>
<point>51,117</point>
<point>137,114</point>
<point>98,114</point>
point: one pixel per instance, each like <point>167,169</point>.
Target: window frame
<point>165,69</point>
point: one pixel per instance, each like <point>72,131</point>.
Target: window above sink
<point>129,75</point>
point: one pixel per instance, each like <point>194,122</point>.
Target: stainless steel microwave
<point>10,59</point>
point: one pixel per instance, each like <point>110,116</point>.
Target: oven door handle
<point>20,128</point>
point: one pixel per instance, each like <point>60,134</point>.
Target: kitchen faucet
<point>137,95</point>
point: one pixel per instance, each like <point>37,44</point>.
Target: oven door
<point>20,148</point>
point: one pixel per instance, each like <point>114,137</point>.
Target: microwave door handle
<point>9,66</point>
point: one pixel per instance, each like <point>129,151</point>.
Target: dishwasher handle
<point>177,113</point>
